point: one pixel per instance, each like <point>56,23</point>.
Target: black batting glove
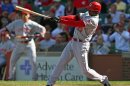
<point>54,19</point>
<point>77,17</point>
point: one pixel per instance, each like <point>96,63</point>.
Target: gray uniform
<point>78,47</point>
<point>21,28</point>
<point>5,46</point>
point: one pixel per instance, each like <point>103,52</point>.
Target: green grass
<point>62,83</point>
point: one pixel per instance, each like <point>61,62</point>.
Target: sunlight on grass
<point>62,83</point>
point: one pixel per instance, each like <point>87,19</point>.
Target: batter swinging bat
<point>30,11</point>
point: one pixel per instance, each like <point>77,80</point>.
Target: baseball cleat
<point>48,85</point>
<point>106,81</point>
<point>10,80</point>
<point>107,85</point>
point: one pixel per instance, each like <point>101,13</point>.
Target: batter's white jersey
<point>91,23</point>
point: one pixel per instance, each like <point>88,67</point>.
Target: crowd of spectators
<point>112,35</point>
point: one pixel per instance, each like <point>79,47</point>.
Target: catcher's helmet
<point>94,6</point>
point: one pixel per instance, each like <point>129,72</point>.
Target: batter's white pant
<point>78,50</point>
<point>30,51</point>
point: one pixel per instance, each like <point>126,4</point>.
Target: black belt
<point>78,40</point>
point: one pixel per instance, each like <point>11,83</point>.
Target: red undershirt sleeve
<point>71,21</point>
<point>69,17</point>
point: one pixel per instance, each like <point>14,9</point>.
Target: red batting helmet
<point>94,6</point>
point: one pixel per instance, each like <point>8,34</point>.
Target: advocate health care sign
<point>45,65</point>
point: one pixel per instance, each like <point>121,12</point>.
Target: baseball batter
<point>23,28</point>
<point>86,24</point>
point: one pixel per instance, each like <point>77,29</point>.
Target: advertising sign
<point>45,65</point>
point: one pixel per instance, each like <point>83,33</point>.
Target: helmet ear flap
<point>93,13</point>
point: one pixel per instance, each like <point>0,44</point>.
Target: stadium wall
<point>115,66</point>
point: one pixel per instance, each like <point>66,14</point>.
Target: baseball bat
<point>4,75</point>
<point>30,11</point>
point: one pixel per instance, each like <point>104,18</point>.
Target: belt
<point>78,40</point>
<point>24,42</point>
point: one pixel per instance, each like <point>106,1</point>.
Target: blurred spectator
<point>56,9</point>
<point>15,2</point>
<point>46,2</point>
<point>70,9</point>
<point>107,23</point>
<point>100,43</point>
<point>6,45</point>
<point>25,4</point>
<point>108,2</point>
<point>14,16</point>
<point>5,14</point>
<point>108,19</point>
<point>51,11</point>
<point>121,37</point>
<point>47,42</point>
<point>80,3</point>
<point>42,2</point>
<point>122,17</point>
<point>56,31</point>
<point>121,6</point>
<point>59,8</point>
<point>8,6</point>
<point>37,3</point>
<point>4,19</point>
<point>42,5</point>
<point>61,41</point>
<point>61,38</point>
<point>114,13</point>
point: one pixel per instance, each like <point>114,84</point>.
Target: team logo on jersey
<point>80,29</point>
<point>90,4</point>
<point>26,29</point>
